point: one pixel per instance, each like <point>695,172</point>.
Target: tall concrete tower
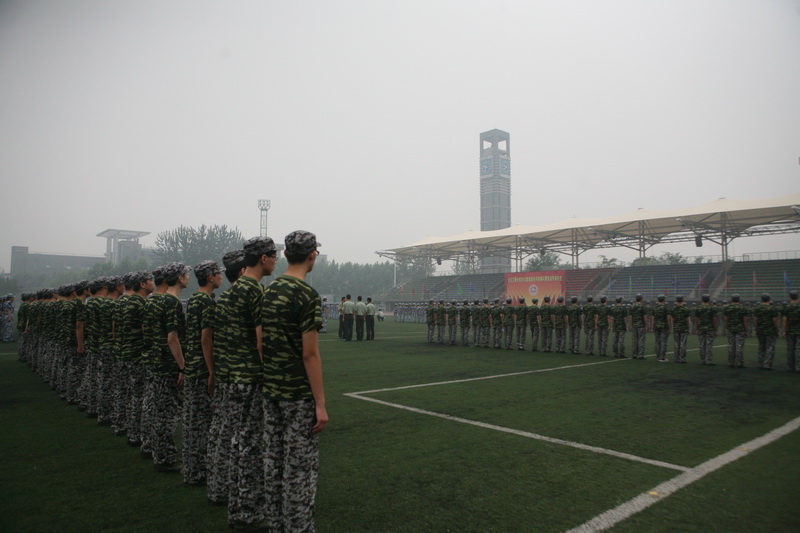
<point>495,161</point>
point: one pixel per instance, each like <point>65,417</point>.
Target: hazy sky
<point>360,119</point>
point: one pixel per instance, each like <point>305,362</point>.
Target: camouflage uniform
<point>132,347</point>
<point>430,320</point>
<point>522,324</point>
<point>196,401</point>
<point>497,325</point>
<point>680,315</point>
<point>475,318</point>
<point>765,315</point>
<point>619,315</point>
<point>638,313</point>
<point>546,329</point>
<point>589,311</point>
<point>603,311</point>
<point>464,322</point>
<point>791,328</point>
<point>735,316</point>
<point>534,317</point>
<point>706,320</point>
<point>508,324</point>
<point>152,311</point>
<point>486,323</point>
<point>574,318</point>
<point>441,320</point>
<point>452,320</point>
<point>661,330</point>
<point>291,309</point>
<point>559,312</point>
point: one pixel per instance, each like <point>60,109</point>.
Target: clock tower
<point>495,179</point>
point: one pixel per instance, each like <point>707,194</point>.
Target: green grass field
<point>462,454</point>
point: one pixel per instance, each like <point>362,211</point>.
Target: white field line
<point>613,516</point>
<point>526,434</point>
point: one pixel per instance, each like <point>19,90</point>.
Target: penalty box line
<point>641,502</point>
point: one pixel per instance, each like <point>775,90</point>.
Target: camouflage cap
<point>259,246</point>
<point>560,299</point>
<point>301,242</point>
<point>175,270</point>
<point>521,299</point>
<point>508,300</point>
<point>232,258</point>
<point>547,299</point>
<point>206,269</point>
<point>793,295</point>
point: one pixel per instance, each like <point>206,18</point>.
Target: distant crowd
<point>556,326</point>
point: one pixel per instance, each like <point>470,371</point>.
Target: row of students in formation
<point>242,371</point>
<point>495,324</point>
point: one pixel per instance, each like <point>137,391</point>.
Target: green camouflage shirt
<point>170,318</point>
<point>765,313</point>
<point>735,313</point>
<point>679,314</point>
<point>660,317</point>
<point>619,312</point>
<point>574,315</point>
<point>521,312</point>
<point>152,310</point>
<point>559,311</point>
<point>463,315</point>
<point>705,314</point>
<point>589,311</point>
<point>238,318</point>
<point>199,316</point>
<point>791,313</point>
<point>638,312</point>
<point>291,309</point>
<point>131,328</point>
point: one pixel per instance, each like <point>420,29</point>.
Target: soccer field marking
<point>520,433</point>
<point>641,502</point>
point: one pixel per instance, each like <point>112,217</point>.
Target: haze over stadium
<point>150,115</point>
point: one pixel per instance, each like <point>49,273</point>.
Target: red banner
<point>531,285</point>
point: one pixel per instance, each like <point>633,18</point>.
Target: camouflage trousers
<point>602,341</point>
<point>497,336</point>
<point>148,409</point>
<point>522,333</point>
<point>220,440</point>
<point>476,335</point>
<point>508,331</point>
<point>484,336</point>
<point>120,396</point>
<point>547,338</point>
<point>638,338</point>
<point>618,343</point>
<point>451,330</point>
<point>59,382</point>
<point>105,387</point>
<point>136,383</point>
<point>21,348</point>
<point>75,369</point>
<point>793,352</point>
<point>464,335</point>
<point>766,350</point>
<point>736,349</point>
<point>661,336</point>
<point>196,423</point>
<point>88,390</point>
<point>165,415</point>
<point>291,464</point>
<point>575,339</point>
<point>431,330</point>
<point>679,345</point>
<point>440,333</point>
<point>535,331</point>
<point>561,340</point>
<point>247,500</point>
<point>588,341</point>
<point>706,341</point>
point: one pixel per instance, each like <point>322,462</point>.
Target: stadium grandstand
<point>718,222</point>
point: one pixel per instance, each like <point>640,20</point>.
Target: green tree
<point>191,245</point>
<point>544,261</point>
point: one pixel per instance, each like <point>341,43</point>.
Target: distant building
<point>23,262</point>
<point>495,179</point>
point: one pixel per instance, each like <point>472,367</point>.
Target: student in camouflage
<point>486,323</point>
<point>508,313</point>
<point>90,383</point>
<point>639,318</point>
<point>560,323</point>
<point>535,322</point>
<point>246,499</point>
<point>120,395</point>
<point>735,317</point>
<point>152,311</point>
<point>661,328</point>
<point>521,319</point>
<point>430,320</point>
<point>441,320</point>
<point>705,324</point>
<point>198,373</point>
<point>603,321</point>
<point>589,310</point>
<point>679,323</point>
<point>765,317</point>
<point>475,318</point>
<point>791,329</point>
<point>132,346</point>
<point>106,344</point>
<point>496,313</point>
<point>574,320</point>
<point>619,324</point>
<point>169,340</point>
<point>220,434</point>
<point>294,406</point>
<point>464,322</point>
<point>547,323</point>
<point>452,322</point>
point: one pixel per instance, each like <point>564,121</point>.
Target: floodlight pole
<point>263,206</point>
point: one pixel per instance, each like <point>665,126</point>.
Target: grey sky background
<point>359,120</point>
